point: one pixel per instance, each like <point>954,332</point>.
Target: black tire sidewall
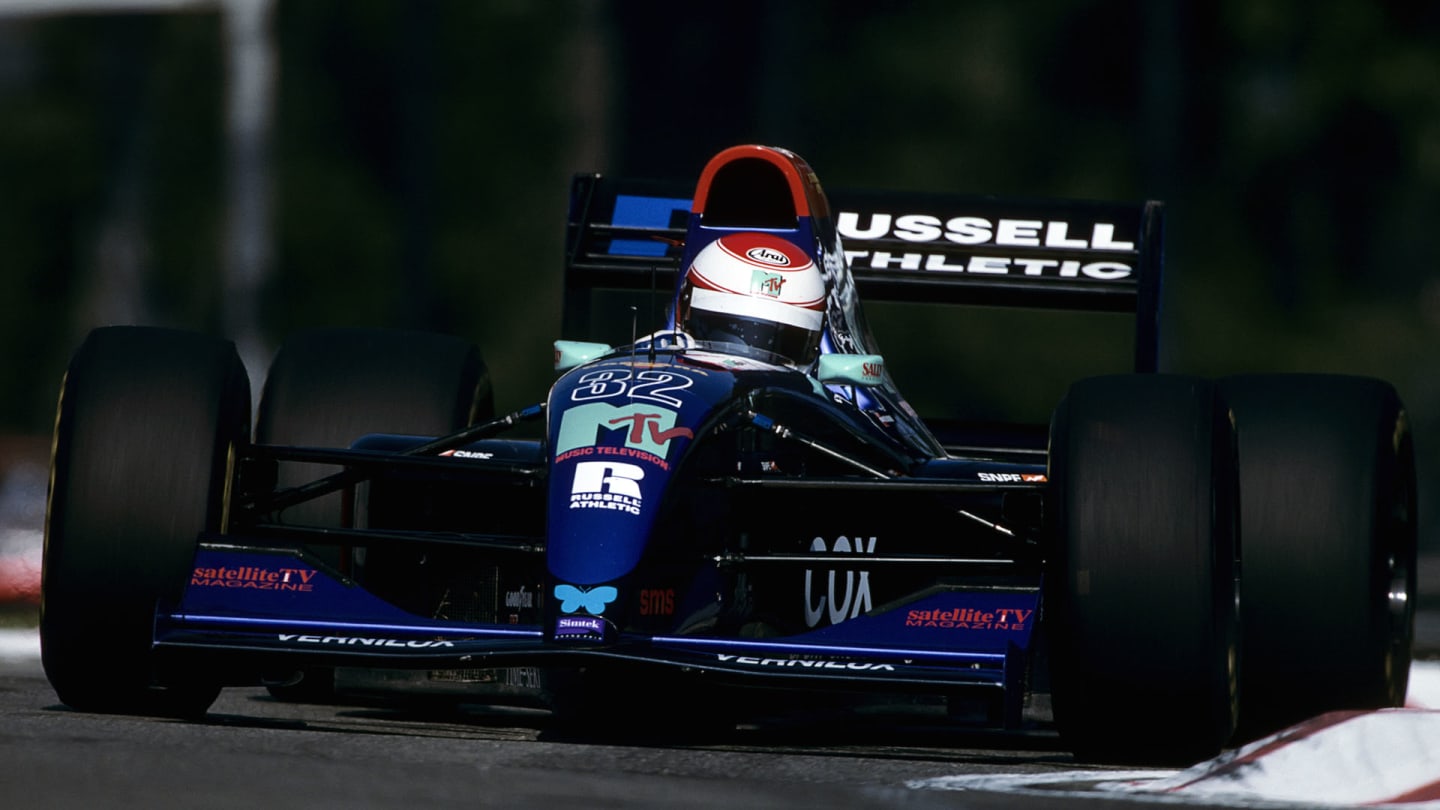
<point>327,386</point>
<point>1328,475</point>
<point>145,428</point>
<point>1140,606</point>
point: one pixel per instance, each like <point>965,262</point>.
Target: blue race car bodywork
<point>674,507</point>
<point>692,508</point>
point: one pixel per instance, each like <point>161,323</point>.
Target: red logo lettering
<point>657,602</point>
<point>641,421</point>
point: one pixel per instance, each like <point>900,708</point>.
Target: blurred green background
<point>251,166</point>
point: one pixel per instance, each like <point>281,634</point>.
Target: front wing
<point>271,609</point>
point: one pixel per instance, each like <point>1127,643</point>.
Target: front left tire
<point>146,430</point>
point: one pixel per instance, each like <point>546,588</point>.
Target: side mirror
<point>851,369</point>
<point>571,353</point>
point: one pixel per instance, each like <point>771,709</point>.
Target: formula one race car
<point>741,502</point>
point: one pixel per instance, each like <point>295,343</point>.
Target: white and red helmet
<point>756,289</point>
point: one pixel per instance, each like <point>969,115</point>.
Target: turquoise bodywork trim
<point>852,369</point>
<point>571,353</point>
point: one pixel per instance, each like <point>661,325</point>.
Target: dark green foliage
<point>420,158</point>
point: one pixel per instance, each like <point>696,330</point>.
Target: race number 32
<point>651,385</point>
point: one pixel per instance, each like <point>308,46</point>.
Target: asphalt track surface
<point>253,751</point>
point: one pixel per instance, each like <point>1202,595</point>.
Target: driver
<point>754,291</point>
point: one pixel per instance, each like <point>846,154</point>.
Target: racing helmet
<point>757,290</point>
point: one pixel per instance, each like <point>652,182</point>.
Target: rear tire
<point>145,436</point>
<point>1327,472</point>
<point>1140,604</point>
<point>328,386</point>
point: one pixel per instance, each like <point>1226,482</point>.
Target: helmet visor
<point>795,345</point>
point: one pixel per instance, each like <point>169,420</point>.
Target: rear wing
<point>975,250</point>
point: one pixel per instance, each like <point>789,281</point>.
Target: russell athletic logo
<point>1099,239</point>
<point>982,231</point>
<point>607,485</point>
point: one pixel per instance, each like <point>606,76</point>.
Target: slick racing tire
<point>1140,604</point>
<point>145,440</point>
<point>1327,481</point>
<point>328,386</point>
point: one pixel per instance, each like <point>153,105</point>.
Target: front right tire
<point>1328,521</point>
<point>1140,589</point>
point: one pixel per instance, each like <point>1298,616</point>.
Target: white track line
<point>20,645</point>
<point>1388,758</point>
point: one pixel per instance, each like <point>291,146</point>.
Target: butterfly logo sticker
<point>593,601</point>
